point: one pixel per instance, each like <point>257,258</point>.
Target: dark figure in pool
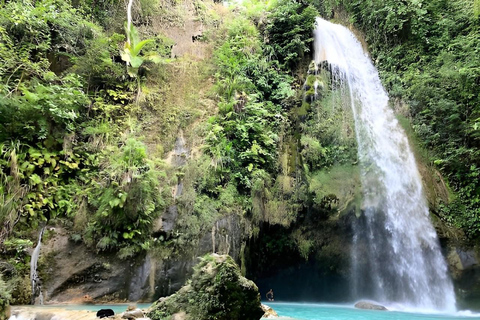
<point>269,295</point>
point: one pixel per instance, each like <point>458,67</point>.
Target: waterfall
<point>396,256</point>
<point>180,152</point>
<point>34,279</point>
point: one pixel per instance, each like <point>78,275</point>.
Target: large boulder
<point>217,290</point>
<point>369,306</point>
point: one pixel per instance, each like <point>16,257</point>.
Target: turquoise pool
<point>302,311</point>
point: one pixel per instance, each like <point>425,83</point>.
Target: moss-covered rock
<point>217,290</point>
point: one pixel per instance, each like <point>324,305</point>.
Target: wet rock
<point>269,313</point>
<point>461,260</point>
<point>216,290</point>
<point>224,238</point>
<point>169,218</point>
<point>369,306</point>
<point>133,314</point>
<point>85,276</point>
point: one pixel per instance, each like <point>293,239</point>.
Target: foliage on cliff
<point>428,54</point>
<point>255,91</point>
<point>4,298</point>
<point>216,290</point>
<point>67,135</point>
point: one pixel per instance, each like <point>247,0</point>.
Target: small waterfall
<point>396,256</point>
<point>34,279</point>
<point>180,154</point>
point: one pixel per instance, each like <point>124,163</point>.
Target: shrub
<point>4,298</point>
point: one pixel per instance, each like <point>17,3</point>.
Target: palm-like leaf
<point>131,52</point>
<point>138,46</point>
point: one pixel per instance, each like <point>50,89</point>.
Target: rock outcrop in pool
<point>217,290</point>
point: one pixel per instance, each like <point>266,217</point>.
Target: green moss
<point>338,188</point>
<point>311,80</point>
<point>302,110</point>
<point>21,289</point>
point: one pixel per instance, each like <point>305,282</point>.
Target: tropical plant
<point>289,31</point>
<point>131,51</point>
<point>131,54</point>
<point>127,197</point>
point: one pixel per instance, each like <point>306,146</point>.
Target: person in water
<point>269,295</point>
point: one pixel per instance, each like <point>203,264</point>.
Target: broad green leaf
<point>139,46</point>
<point>35,178</point>
<point>136,62</point>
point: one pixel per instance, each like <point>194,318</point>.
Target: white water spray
<point>396,256</point>
<point>33,269</point>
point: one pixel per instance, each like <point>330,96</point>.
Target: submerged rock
<point>217,290</point>
<point>369,306</point>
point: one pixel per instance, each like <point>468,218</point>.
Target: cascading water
<point>396,256</point>
<point>34,279</point>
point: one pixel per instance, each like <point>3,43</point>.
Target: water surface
<point>117,308</point>
<point>302,311</point>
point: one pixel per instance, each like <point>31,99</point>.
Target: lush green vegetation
<point>428,54</point>
<point>248,168</point>
<point>70,151</point>
<point>255,91</point>
<point>71,114</point>
<point>4,298</point>
<point>89,112</point>
<point>65,101</point>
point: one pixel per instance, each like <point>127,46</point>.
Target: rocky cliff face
<point>73,273</point>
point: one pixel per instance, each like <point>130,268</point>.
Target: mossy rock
<point>217,290</point>
<point>338,187</point>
